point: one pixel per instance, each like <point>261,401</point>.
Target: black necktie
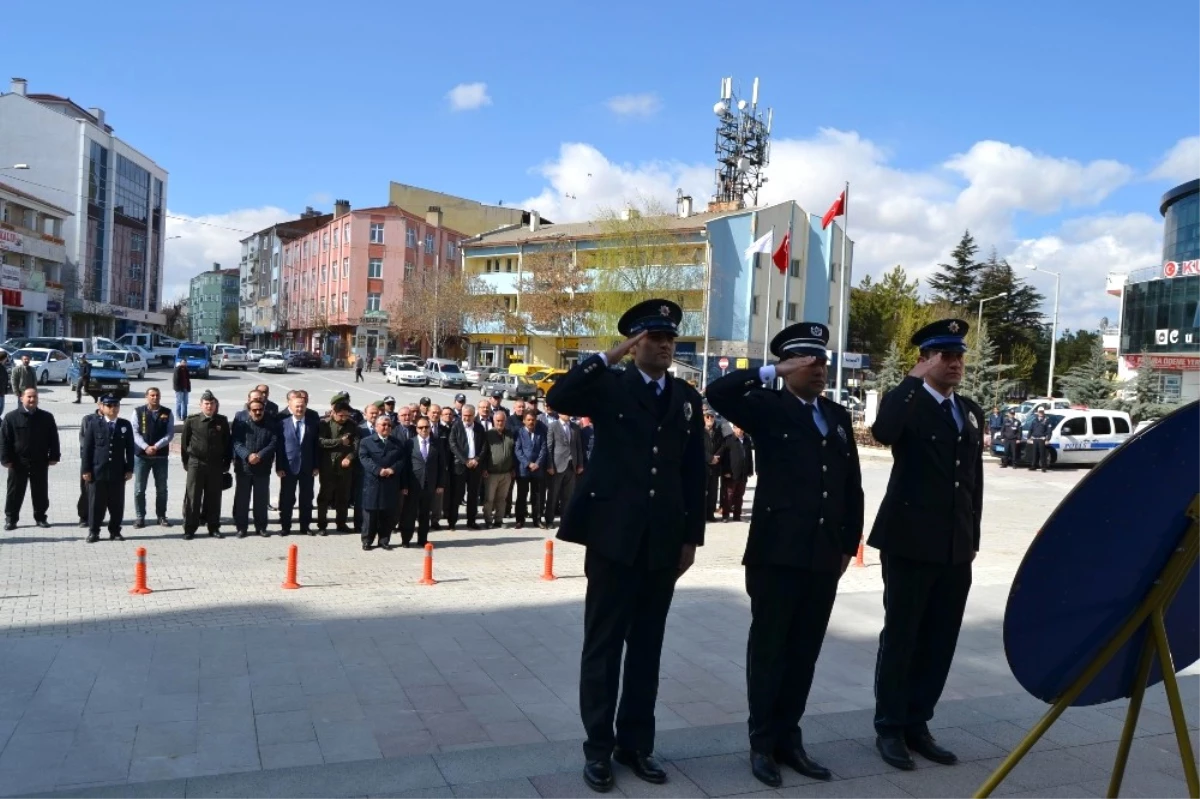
<point>810,414</point>
<point>948,408</point>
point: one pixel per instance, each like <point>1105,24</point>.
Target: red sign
<point>1181,363</point>
<point>11,298</point>
<point>723,363</point>
<point>1181,268</point>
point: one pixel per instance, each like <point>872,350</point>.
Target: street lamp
<point>1053,325</point>
<point>979,323</point>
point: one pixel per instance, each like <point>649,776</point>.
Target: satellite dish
<point>743,164</point>
<point>741,105</point>
<point>721,108</point>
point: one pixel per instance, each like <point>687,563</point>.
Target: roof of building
<point>80,111</point>
<point>35,198</point>
<point>592,229</point>
<point>294,228</point>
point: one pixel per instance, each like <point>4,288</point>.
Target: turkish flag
<point>780,256</point>
<point>837,209</point>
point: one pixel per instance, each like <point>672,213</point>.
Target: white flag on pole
<point>765,244</point>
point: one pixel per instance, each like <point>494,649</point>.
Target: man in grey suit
<point>564,460</point>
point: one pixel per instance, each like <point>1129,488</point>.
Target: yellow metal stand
<point>1149,615</point>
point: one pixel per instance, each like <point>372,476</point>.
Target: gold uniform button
<point>821,520</point>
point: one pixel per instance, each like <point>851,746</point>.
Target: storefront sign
<point>1180,363</point>
<point>10,276</point>
<point>11,298</point>
<point>11,241</point>
<point>53,306</point>
<point>1181,268</point>
<point>375,316</point>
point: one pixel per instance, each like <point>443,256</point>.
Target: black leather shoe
<point>242,534</point>
<point>13,525</point>
<point>115,537</point>
<point>139,524</point>
<point>264,534</point>
<point>215,534</point>
<point>42,523</point>
<point>924,745</point>
<point>366,547</point>
<point>894,752</point>
<point>598,775</point>
<point>642,764</point>
<point>164,522</point>
<point>91,539</point>
<point>765,769</point>
<point>796,758</point>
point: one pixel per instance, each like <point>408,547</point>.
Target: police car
<point>1077,436</point>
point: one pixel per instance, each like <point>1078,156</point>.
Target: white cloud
<point>634,105</point>
<point>912,217</point>
<point>468,96</point>
<point>1181,163</point>
<point>208,239</point>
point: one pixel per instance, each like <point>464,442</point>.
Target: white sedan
<point>48,365</point>
<point>406,373</point>
<point>131,361</point>
<point>272,361</point>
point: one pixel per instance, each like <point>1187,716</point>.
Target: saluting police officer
<point>648,466</point>
<point>927,533</point>
<point>806,524</point>
<point>106,463</point>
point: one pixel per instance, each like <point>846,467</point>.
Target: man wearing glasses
<point>383,459</point>
<point>427,477</point>
<point>254,442</point>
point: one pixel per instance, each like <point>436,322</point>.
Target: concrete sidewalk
<point>1074,759</point>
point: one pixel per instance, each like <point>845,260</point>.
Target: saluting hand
<point>618,352</point>
<point>786,367</point>
<point>922,368</point>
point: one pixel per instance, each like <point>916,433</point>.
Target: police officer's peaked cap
<point>425,401</point>
<point>460,397</point>
<point>341,396</point>
<point>497,394</point>
<point>944,335</point>
<point>805,338</point>
<point>208,395</point>
<point>110,399</point>
<point>389,400</point>
<point>651,316</point>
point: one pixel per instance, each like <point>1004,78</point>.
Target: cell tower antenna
<point>743,148</point>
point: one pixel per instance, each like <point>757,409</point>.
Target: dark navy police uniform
<point>107,455</point>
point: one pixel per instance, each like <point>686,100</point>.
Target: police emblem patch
<point>953,327</point>
<point>687,411</point>
<point>974,421</point>
<point>842,433</point>
<point>816,331</point>
<point>664,310</point>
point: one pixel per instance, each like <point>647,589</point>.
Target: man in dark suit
<point>564,462</point>
<point>296,461</point>
<point>469,455</point>
<point>640,512</point>
<point>428,474</point>
<point>529,448</point>
<point>106,463</point>
<point>255,441</point>
<point>384,461</point>
<point>737,467</point>
<point>714,448</point>
<point>806,523</point>
<point>28,447</point>
<point>927,533</point>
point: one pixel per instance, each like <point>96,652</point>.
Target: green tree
<point>985,379</point>
<point>875,311</point>
<point>891,370</point>
<point>955,283</point>
<point>1146,402</point>
<point>1089,383</point>
<point>1012,320</point>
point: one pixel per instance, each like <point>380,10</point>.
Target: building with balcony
<point>261,275</point>
<point>341,280</point>
<point>33,256</point>
<point>1160,305</point>
<point>112,275</point>
<point>213,306</point>
<point>733,302</point>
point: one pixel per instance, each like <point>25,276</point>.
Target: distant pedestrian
<point>85,374</point>
<point>23,377</point>
<point>28,447</point>
<point>358,370</point>
<point>182,383</point>
<point>5,383</point>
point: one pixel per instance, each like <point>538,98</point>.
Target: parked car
<point>254,355</point>
<point>304,359</point>
<point>107,376</point>
<point>50,366</point>
<point>272,361</point>
<point>444,373</point>
<point>544,381</point>
<point>406,373</point>
<point>197,358</point>
<point>479,374</point>
<point>156,348</point>
<point>131,361</point>
<point>1076,436</point>
<point>230,356</point>
<point>513,386</point>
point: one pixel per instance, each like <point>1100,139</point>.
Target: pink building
<point>340,280</point>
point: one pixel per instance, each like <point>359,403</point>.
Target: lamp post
<point>1053,325</point>
<point>979,321</point>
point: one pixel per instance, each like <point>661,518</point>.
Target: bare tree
<point>554,292</point>
<point>176,313</point>
<point>436,305</point>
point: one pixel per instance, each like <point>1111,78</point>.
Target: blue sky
<point>1043,126</point>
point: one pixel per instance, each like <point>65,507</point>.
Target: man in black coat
<point>737,467</point>
<point>639,510</point>
<point>385,461</point>
<point>106,464</point>
<point>714,448</point>
<point>469,455</point>
<point>28,447</point>
<point>1010,435</point>
<point>255,439</point>
<point>1039,437</point>
<point>806,524</point>
<point>927,533</point>
<point>428,474</point>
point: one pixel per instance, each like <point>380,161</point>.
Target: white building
<point>33,256</point>
<point>113,272</point>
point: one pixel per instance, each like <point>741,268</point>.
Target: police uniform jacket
<point>333,451</point>
<point>206,439</point>
<point>646,480</point>
<point>1040,428</point>
<point>254,438</point>
<point>934,501</point>
<point>107,449</point>
<point>808,504</point>
<point>1011,430</point>
<point>29,439</point>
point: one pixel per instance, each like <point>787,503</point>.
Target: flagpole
<point>787,272</point>
<point>767,315</point>
<point>844,287</point>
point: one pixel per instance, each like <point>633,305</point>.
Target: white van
<point>1049,404</point>
<point>1081,436</point>
<point>162,348</point>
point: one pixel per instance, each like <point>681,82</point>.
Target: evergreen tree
<point>1146,402</point>
<point>875,310</point>
<point>985,379</point>
<point>891,371</point>
<point>1089,383</point>
<point>955,282</point>
<point>1015,319</point>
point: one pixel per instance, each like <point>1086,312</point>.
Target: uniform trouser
<point>37,478</point>
<point>336,489</point>
<point>468,484</point>
<point>418,507</point>
<point>559,488</point>
<point>377,525</point>
<point>733,492</point>
<point>81,507</point>
<point>142,468</point>
<point>712,495</point>
<point>1010,452</point>
<point>1040,456</point>
<point>356,490</point>
<point>202,497</point>
<point>248,486</point>
<point>789,611</point>
<point>530,492</point>
<point>923,607</point>
<point>625,611</point>
<point>495,489</point>
<point>106,495</point>
<point>289,486</point>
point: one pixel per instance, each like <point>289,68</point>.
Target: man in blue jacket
<point>254,443</point>
<point>530,451</point>
<point>296,461</point>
